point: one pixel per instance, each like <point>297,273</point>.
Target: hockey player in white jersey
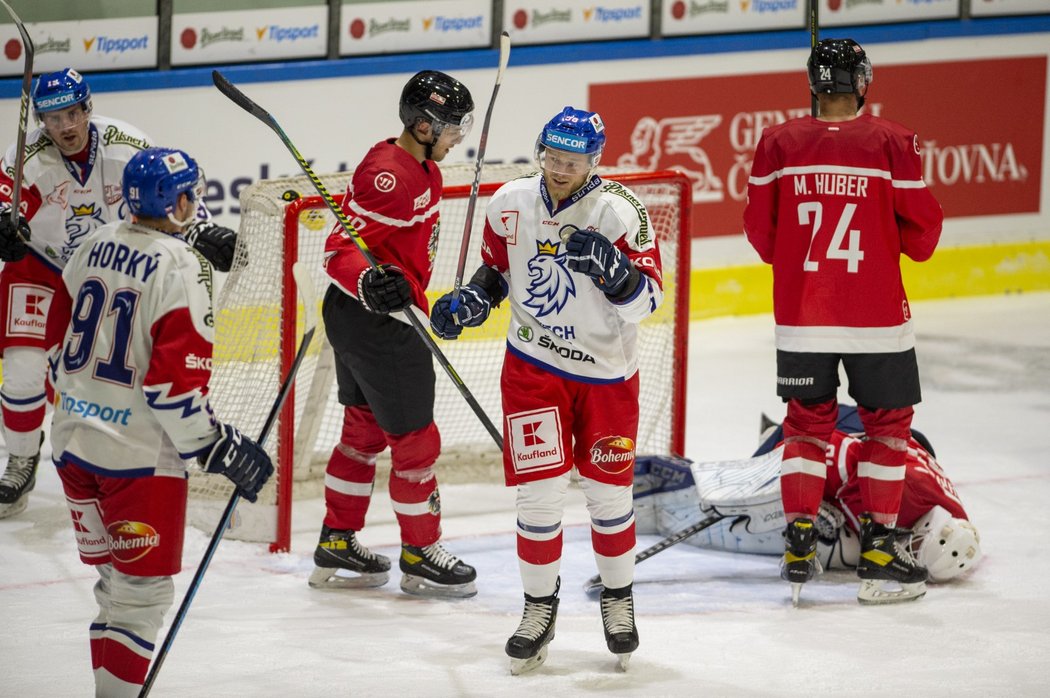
<point>131,376</point>
<point>71,186</point>
<point>576,257</point>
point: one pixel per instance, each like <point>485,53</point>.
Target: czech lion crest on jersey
<point>84,219</point>
<point>550,281</point>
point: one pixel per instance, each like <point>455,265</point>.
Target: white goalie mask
<point>944,545</point>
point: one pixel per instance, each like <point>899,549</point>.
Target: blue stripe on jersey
<point>558,372</point>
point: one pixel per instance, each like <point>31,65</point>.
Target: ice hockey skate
<point>17,482</point>
<point>527,647</point>
<point>621,635</point>
<point>339,552</point>
<point>800,556</point>
<point>433,571</point>
<point>889,572</point>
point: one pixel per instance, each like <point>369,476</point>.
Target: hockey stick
<point>504,57</point>
<point>594,584</point>
<point>23,118</point>
<point>242,100</point>
<point>814,35</point>
<point>305,285</point>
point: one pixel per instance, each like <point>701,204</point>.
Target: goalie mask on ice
<point>947,547</point>
<point>571,143</point>
<point>155,178</point>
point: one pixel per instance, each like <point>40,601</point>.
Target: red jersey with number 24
<point>832,205</point>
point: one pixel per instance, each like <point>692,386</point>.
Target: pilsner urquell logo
<point>131,540</point>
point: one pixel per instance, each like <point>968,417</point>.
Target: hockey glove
<point>241,460</point>
<point>472,309</point>
<point>13,238</point>
<point>591,253</point>
<point>215,242</point>
<point>384,292</point>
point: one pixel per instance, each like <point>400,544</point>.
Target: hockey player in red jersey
<point>384,370</point>
<point>833,201</point>
<point>72,183</point>
<point>134,320</point>
<point>576,257</point>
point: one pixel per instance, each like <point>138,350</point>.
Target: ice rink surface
<point>711,624</point>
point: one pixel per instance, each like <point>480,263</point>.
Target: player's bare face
<point>68,128</point>
<point>564,172</point>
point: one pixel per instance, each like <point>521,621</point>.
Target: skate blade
<point>796,594</point>
<point>421,586</point>
<point>523,666</point>
<point>873,593</point>
<point>14,508</point>
<point>329,578</point>
<point>622,660</point>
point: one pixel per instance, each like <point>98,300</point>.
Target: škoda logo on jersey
<point>131,540</point>
<point>613,454</point>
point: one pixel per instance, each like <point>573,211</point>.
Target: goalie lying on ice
<point>673,494</point>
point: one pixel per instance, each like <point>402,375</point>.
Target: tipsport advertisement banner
<point>91,44</point>
<point>835,13</point>
<point>414,25</point>
<point>991,8</point>
<point>978,158</point>
<point>553,21</point>
<point>680,17</point>
<point>249,35</point>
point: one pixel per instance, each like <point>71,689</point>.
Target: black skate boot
<point>18,481</point>
<point>340,550</point>
<point>527,647</point>
<point>800,556</point>
<point>621,635</point>
<point>885,557</point>
<point>433,571</point>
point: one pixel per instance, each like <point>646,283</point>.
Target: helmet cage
<point>946,546</point>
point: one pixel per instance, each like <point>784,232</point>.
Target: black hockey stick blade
<point>242,100</point>
<point>594,584</point>
<point>305,286</point>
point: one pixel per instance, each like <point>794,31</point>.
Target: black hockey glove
<point>591,253</point>
<point>240,459</point>
<point>384,292</point>
<point>215,242</point>
<point>472,309</point>
<point>13,238</point>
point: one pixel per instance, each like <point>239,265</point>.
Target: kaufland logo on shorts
<point>566,142</point>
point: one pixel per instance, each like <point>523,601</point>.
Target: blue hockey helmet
<point>573,131</point>
<point>154,178</point>
<point>60,90</point>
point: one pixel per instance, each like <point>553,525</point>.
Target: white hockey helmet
<point>944,545</point>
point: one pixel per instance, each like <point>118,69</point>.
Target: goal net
<point>259,324</point>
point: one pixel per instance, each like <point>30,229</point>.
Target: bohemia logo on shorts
<point>535,440</point>
<point>613,454</point>
<point>27,310</point>
<point>131,540</point>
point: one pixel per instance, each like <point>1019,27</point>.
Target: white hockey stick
<point>23,117</point>
<point>305,286</point>
<point>504,57</point>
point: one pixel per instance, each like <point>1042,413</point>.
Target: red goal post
<point>258,322</point>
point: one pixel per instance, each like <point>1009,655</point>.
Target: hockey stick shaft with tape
<point>242,100</point>
<point>304,284</point>
<point>23,115</point>
<point>595,583</point>
<point>504,57</point>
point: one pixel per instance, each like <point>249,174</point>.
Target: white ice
<point>711,624</point>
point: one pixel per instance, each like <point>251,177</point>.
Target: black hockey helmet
<point>839,66</point>
<point>438,99</point>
